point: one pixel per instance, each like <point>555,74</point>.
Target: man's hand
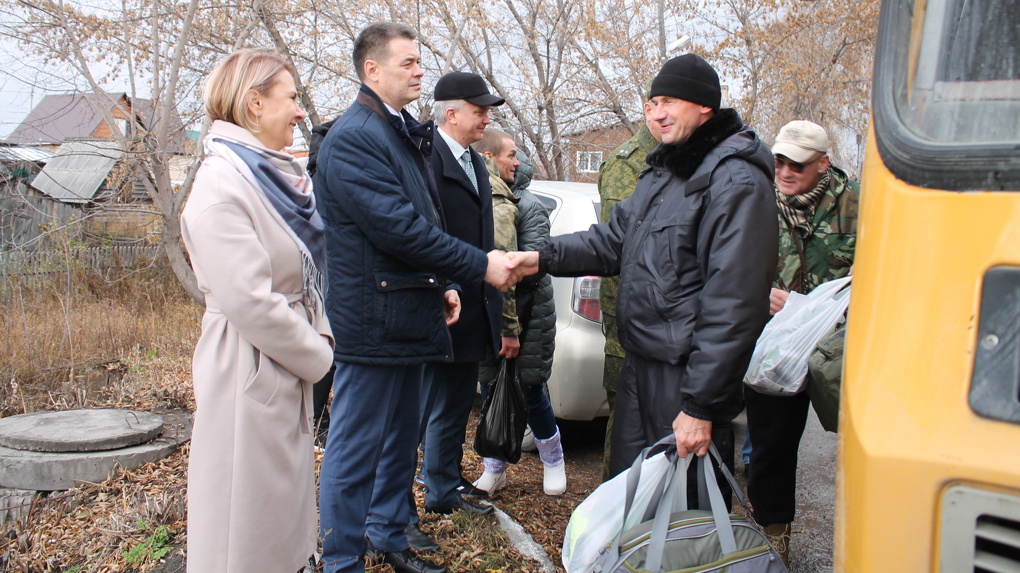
<point>692,435</point>
<point>500,273</point>
<point>777,300</point>
<point>511,347</point>
<point>524,263</point>
<point>452,308</point>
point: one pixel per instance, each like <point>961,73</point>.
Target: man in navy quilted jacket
<point>392,294</point>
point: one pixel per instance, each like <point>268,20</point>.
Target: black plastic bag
<point>504,417</point>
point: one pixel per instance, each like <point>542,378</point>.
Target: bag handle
<point>678,487</point>
<point>667,445</point>
<point>660,526</point>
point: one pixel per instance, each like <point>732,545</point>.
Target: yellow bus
<point>929,448</point>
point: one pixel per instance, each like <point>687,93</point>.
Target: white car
<point>575,387</point>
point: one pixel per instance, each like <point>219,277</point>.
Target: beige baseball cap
<point>800,141</point>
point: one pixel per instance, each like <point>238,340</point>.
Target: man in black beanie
<point>695,248</point>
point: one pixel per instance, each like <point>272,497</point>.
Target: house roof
<point>77,170</point>
<point>62,116</point>
<point>59,117</point>
<point>18,153</point>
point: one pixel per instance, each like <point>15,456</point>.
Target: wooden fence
<point>39,267</point>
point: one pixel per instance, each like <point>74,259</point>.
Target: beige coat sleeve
<point>230,246</point>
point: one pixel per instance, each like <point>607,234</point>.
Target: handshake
<point>507,269</point>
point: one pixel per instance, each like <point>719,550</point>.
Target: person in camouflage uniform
<point>817,234</point>
<point>618,176</point>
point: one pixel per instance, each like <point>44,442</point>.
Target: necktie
<point>465,162</point>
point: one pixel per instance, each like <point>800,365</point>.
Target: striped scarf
<point>799,210</point>
<point>293,201</point>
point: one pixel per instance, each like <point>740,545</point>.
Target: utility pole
<point>662,30</point>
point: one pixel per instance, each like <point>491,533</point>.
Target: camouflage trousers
<point>610,373</point>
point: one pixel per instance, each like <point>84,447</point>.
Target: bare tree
<point>789,60</point>
<point>80,39</point>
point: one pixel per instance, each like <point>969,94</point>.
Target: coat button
<point>382,284</point>
<point>432,281</point>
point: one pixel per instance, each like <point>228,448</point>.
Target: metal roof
<point>18,153</point>
<point>60,117</point>
<point>78,169</point>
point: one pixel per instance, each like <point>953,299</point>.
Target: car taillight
<point>585,298</point>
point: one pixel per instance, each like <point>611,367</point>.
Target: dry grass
<point>78,341</point>
<point>89,528</point>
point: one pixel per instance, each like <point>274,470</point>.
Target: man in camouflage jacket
<point>617,178</point>
<point>817,235</point>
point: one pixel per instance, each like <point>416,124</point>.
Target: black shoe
<point>463,504</point>
<point>407,562</point>
<point>371,553</point>
<point>467,488</point>
<point>419,540</point>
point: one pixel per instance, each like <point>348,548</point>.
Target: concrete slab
<point>15,503</point>
<point>50,471</point>
<point>79,430</point>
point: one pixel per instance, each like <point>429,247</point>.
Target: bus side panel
<point>906,428</point>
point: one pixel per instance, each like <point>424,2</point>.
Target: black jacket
<point>469,218</point>
<point>695,247</point>
<point>389,260</point>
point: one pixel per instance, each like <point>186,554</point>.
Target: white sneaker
<point>491,482</point>
<point>554,480</point>
<point>528,443</point>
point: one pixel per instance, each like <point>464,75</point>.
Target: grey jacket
<point>534,293</point>
<point>536,309</point>
<point>695,247</point>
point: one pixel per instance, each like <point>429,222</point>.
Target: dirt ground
<point>545,517</point>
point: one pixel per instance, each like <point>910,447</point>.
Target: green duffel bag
<point>674,539</point>
<point>825,376</point>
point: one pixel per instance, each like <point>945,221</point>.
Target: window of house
<point>589,161</point>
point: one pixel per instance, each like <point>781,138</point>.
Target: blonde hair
<point>228,85</point>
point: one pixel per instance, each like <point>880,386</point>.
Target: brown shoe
<point>778,535</point>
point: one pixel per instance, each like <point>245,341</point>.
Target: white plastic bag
<point>779,362</point>
<point>598,520</point>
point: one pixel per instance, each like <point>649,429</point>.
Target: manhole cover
<point>79,430</point>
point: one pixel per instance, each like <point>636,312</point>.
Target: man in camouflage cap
<point>817,234</point>
<point>618,176</point>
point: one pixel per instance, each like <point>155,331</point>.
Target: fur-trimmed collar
<point>682,160</point>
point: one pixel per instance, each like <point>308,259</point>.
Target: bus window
<point>947,91</point>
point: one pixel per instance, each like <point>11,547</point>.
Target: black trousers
<point>776,424</point>
<point>648,399</point>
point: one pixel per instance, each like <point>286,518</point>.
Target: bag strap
<point>678,487</point>
<point>633,479</point>
<point>723,526</point>
<point>657,536</point>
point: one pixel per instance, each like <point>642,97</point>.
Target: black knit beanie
<point>690,78</point>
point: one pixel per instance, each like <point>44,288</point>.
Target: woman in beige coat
<point>256,245</point>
